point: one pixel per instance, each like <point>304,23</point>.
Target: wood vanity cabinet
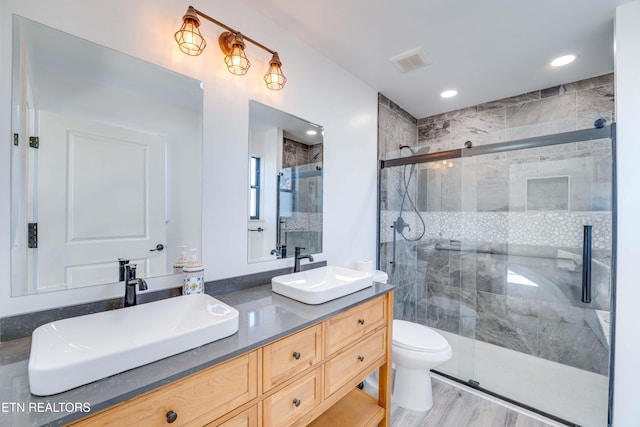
<point>306,378</point>
<point>288,356</point>
<point>193,400</point>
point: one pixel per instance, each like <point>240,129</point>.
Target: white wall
<point>627,345</point>
<point>317,90</point>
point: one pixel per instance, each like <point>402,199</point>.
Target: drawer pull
<point>171,417</point>
<point>296,355</point>
<point>361,321</point>
<point>296,402</point>
<point>361,358</point>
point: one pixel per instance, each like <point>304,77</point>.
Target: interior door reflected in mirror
<point>106,162</point>
<point>284,185</point>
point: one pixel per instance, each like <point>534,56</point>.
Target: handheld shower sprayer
<point>400,224</point>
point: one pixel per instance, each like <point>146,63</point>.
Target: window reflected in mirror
<point>254,188</point>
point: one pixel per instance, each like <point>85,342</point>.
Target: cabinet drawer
<point>286,406</point>
<point>291,355</point>
<point>248,418</point>
<point>353,362</point>
<point>196,399</point>
<point>345,328</point>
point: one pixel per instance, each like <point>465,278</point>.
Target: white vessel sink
<point>72,352</point>
<point>321,284</point>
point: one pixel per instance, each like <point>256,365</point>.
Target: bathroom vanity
<point>289,364</point>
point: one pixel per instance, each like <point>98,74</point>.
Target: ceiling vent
<point>411,60</point>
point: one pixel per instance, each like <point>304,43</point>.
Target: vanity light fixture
<point>232,44</point>
<point>236,60</point>
<point>312,132</point>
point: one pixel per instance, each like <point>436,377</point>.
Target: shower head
<point>406,146</point>
<point>420,150</point>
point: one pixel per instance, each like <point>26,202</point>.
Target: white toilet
<point>416,349</point>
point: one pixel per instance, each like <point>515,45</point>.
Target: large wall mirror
<point>285,184</point>
<point>106,162</point>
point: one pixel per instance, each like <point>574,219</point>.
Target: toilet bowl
<point>416,349</point>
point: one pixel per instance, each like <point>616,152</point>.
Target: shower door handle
<point>586,264</point>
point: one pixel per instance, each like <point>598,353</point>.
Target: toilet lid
<point>413,336</point>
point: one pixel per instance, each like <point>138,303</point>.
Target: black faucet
<point>122,262</point>
<point>298,257</point>
<point>280,252</point>
<point>130,283</point>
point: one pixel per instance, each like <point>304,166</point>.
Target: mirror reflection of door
<point>107,203</point>
<point>61,74</point>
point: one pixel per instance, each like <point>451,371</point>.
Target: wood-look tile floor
<point>455,407</point>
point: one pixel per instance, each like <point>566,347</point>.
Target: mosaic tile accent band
<point>560,229</point>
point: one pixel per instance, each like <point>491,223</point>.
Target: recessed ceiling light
<point>563,60</point>
<point>311,132</point>
<point>449,93</point>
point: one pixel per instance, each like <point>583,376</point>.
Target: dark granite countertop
<point>264,317</point>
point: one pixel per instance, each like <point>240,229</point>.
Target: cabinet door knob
<point>296,402</point>
<point>171,417</point>
<point>296,355</point>
<point>361,358</point>
<point>361,321</point>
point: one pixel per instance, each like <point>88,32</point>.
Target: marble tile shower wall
<point>396,128</point>
<point>297,154</point>
<point>528,304</point>
<point>543,112</point>
<point>304,227</point>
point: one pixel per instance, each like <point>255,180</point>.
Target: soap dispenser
<point>182,260</point>
<point>193,275</point>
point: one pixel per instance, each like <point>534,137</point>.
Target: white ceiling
<point>485,49</point>
<point>264,117</point>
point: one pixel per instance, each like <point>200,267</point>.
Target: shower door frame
<point>519,144</point>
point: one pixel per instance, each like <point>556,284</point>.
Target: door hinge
<point>34,142</point>
<point>16,138</point>
<point>32,237</point>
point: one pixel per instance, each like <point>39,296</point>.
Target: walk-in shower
<point>506,249</point>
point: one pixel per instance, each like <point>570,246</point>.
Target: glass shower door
<point>420,213</point>
<point>536,256</point>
